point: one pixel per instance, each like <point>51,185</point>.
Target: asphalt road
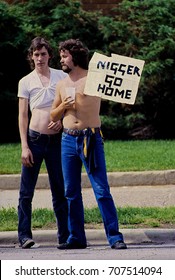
<point>100,251</point>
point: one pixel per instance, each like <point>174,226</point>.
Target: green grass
<point>140,155</point>
<point>126,156</point>
<point>120,156</point>
<point>129,217</point>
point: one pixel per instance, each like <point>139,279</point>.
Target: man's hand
<point>68,102</point>
<point>55,125</point>
<point>27,157</point>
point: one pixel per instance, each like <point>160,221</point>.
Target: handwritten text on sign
<point>114,78</point>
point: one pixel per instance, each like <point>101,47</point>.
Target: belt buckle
<point>75,132</point>
<point>85,131</point>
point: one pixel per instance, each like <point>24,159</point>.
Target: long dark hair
<point>36,44</point>
<point>80,53</point>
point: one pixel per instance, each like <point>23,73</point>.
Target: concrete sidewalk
<point>116,179</point>
<point>97,236</point>
<point>128,189</point>
<point>135,196</point>
<point>139,189</point>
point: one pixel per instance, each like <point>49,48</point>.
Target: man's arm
<point>23,120</point>
<point>59,106</point>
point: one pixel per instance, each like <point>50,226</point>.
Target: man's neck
<point>43,71</point>
<point>44,76</point>
<point>77,74</point>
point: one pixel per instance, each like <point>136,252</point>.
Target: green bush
<point>138,29</point>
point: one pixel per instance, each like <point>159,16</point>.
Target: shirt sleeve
<point>22,89</point>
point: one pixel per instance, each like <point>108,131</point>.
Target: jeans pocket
<point>64,135</point>
<point>33,136</point>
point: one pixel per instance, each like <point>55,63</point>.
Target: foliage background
<point>140,29</point>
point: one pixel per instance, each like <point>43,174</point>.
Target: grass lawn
<point>120,156</point>
<point>129,217</point>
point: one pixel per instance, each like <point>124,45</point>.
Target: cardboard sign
<point>114,78</point>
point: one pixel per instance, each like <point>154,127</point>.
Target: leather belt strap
<point>77,132</point>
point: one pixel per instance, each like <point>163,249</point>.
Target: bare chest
<point>45,81</point>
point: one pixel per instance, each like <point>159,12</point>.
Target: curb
<point>131,236</point>
<point>116,179</point>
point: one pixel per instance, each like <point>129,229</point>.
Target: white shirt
<point>30,87</point>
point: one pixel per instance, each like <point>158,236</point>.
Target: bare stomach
<point>40,120</point>
<point>85,113</point>
<point>80,122</point>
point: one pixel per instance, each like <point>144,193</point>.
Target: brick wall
<point>90,5</point>
<point>103,5</point>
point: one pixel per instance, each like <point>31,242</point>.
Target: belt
<point>77,132</point>
<point>88,147</point>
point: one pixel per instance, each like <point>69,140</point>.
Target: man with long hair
<point>40,140</point>
<point>82,143</point>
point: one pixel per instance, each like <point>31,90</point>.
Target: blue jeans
<point>72,160</point>
<point>47,148</point>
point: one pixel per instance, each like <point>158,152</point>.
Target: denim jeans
<point>72,160</point>
<point>47,148</point>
